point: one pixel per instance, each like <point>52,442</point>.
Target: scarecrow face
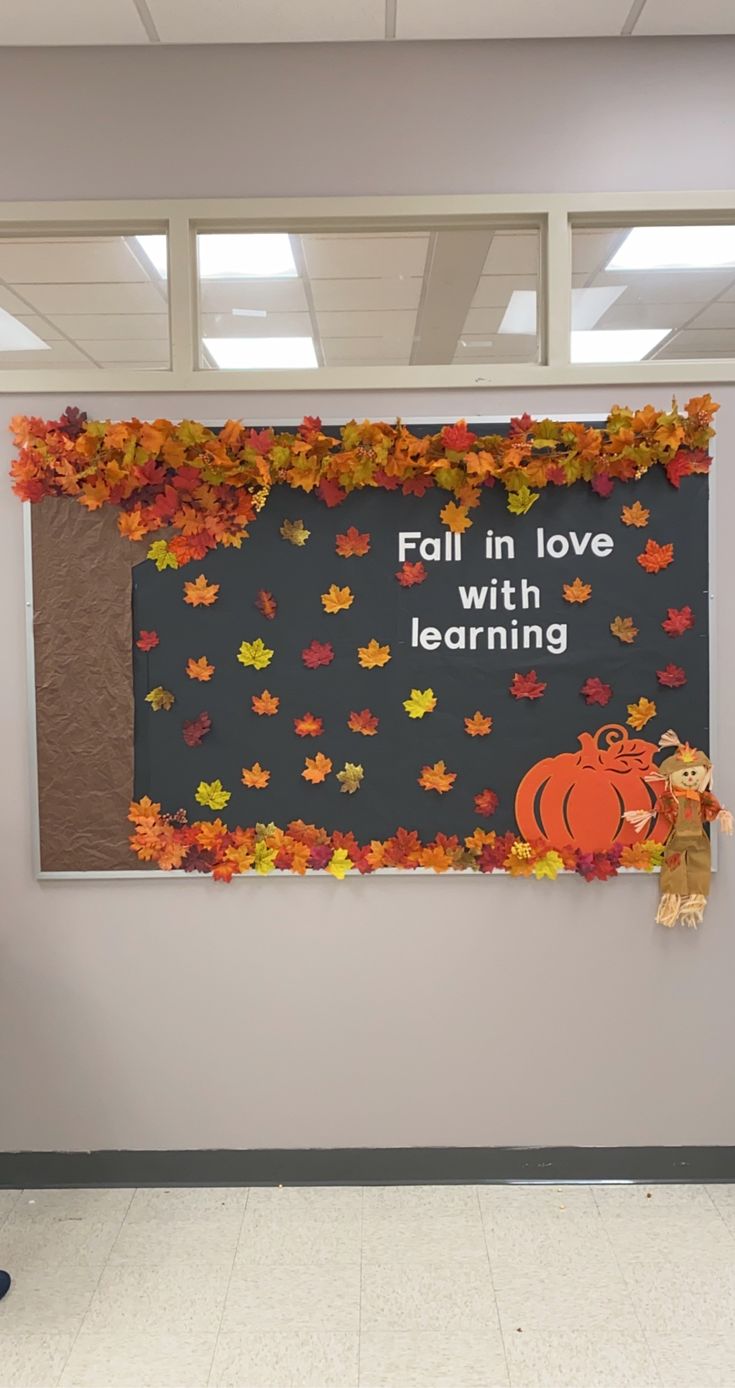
<point>692,777</point>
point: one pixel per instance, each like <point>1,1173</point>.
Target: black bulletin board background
<point>463,681</point>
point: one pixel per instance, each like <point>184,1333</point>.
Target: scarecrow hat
<point>683,756</point>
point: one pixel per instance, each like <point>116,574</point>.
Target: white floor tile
<point>96,1206</point>
<point>321,1296</point>
<point>416,1238</point>
<point>580,1359</point>
<point>48,1298</point>
<point>431,1359</point>
<point>163,1241</point>
<point>33,1361</point>
<point>672,1296</point>
<point>653,1202</point>
<point>46,1244</point>
<point>178,1299</point>
<point>295,1240</point>
<point>8,1199</point>
<point>286,1359</point>
<point>135,1360</point>
<point>420,1200</point>
<point>695,1361</point>
<point>428,1296</point>
<point>563,1292</point>
<point>511,1205</point>
<point>326,1202</point>
<point>218,1203</point>
<point>723,1198</point>
<point>694,1241</point>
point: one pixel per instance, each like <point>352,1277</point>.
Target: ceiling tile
<point>668,286</point>
<point>494,291</point>
<point>393,325</point>
<point>719,315</point>
<point>483,320</point>
<point>57,354</point>
<point>275,296</point>
<point>100,326</point>
<point>11,303</point>
<point>712,343</point>
<point>350,351</point>
<point>51,22</point>
<point>40,327</point>
<point>687,17</point>
<point>267,21</point>
<point>592,250</point>
<point>69,262</point>
<point>509,19</point>
<point>150,352</point>
<point>358,257</point>
<point>513,252</point>
<point>626,314</point>
<point>92,298</point>
<point>275,325</point>
<point>345,294</point>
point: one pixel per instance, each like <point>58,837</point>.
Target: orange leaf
<point>373,656</point>
<point>266,603</point>
<point>337,599</point>
<point>352,542</point>
<point>308,725</point>
<point>316,768</point>
<point>635,515</point>
<point>437,778</point>
<point>255,777</point>
<point>436,857</point>
<point>577,591</point>
<point>200,593</point>
<point>199,669</point>
<point>455,517</point>
<point>623,628</point>
<point>656,557</point>
<point>640,713</point>
<point>479,725</point>
<point>364,722</point>
<point>131,524</point>
<point>265,703</point>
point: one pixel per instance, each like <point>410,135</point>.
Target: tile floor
<point>407,1287</point>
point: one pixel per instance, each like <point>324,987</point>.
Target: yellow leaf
<point>255,653</point>
<point>159,698</point>
<point>337,599</point>
<point>521,501</point>
<point>350,778</point>
<point>641,713</point>
<point>421,701</point>
<point>373,656</point>
<point>577,591</point>
<point>212,794</point>
<point>161,555</point>
<point>339,864</point>
<point>455,517</point>
<point>623,628</point>
<point>295,532</point>
<point>548,866</point>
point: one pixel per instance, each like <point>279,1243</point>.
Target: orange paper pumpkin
<point>579,798</point>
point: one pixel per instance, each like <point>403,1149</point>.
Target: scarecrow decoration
<point>686,804</point>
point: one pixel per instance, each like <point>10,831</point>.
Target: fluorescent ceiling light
<point>616,344</point>
<point>250,313</point>
<point>245,255</point>
<point>155,249</point>
<point>16,337</point>
<point>675,248</point>
<point>588,306</point>
<point>261,353</point>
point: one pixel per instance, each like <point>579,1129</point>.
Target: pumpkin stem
<point>612,732</point>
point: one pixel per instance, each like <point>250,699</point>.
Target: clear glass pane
<point>653,293</point>
<point>84,301</point>
<point>389,298</point>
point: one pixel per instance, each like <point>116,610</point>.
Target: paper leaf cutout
<point>479,725</point>
<point>486,803</point>
<point>159,698</point>
<point>212,794</point>
<point>350,778</point>
<point>656,557</point>
<point>678,620</point>
<point>623,628</point>
<point>641,713</point>
<point>521,500</point>
<point>318,653</point>
<point>352,543</point>
<point>308,725</point>
<point>337,599</point>
<point>410,574</point>
<point>316,769</point>
<point>295,532</point>
<point>455,517</point>
<point>364,722</point>
<point>527,686</point>
<point>577,591</point>
<point>200,593</point>
<point>194,730</point>
<point>162,556</point>
<point>437,778</point>
<point>255,777</point>
<point>265,704</point>
<point>266,603</point>
<point>595,691</point>
<point>672,676</point>
<point>635,515</point>
<point>147,640</point>
<point>255,654</point>
<point>373,656</point>
<point>420,702</point>
<point>199,669</point>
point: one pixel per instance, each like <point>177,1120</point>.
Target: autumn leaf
<point>265,704</point>
<point>521,500</point>
<point>656,557</point>
<point>339,864</point>
<point>635,515</point>
<point>577,591</point>
<point>678,620</point>
<point>255,777</point>
<point>308,725</point>
<point>352,543</point>
<point>437,778</point>
<point>316,768</point>
<point>410,574</point>
<point>212,794</point>
<point>594,691</point>
<point>318,653</point>
<point>200,593</point>
<point>199,669</point>
<point>672,676</point>
<point>526,686</point>
<point>254,653</point>
<point>194,730</point>
<point>364,722</point>
<point>266,603</point>
<point>350,778</point>
<point>295,532</point>
<point>623,628</point>
<point>162,556</point>
<point>436,857</point>
<point>420,702</point>
<point>373,656</point>
<point>132,525</point>
<point>457,438</point>
<point>479,725</point>
<point>147,640</point>
<point>640,713</point>
<point>159,698</point>
<point>337,599</point>
<point>455,517</point>
<point>486,803</point>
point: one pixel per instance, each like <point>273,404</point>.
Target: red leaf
<point>387,480</point>
<point>352,542</point>
<point>147,640</point>
<point>656,557</point>
<point>595,691</point>
<point>318,653</point>
<point>194,731</point>
<point>602,484</point>
<point>266,603</point>
<point>166,503</point>
<point>417,486</point>
<point>330,492</point>
<point>364,722</point>
<point>457,438</point>
<point>520,425</point>
<point>410,574</point>
<point>672,676</point>
<point>526,686</point>
<point>262,441</point>
<point>678,620</point>
<point>685,462</point>
<point>310,424</point>
<point>486,803</point>
<point>308,725</point>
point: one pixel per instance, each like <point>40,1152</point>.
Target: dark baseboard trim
<point>367,1166</point>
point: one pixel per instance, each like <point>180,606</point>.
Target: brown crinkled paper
<point>84,686</point>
